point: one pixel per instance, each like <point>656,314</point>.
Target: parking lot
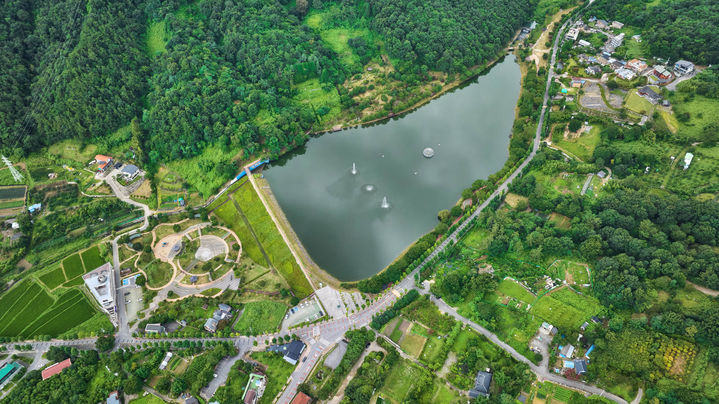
<point>131,293</point>
<point>308,310</point>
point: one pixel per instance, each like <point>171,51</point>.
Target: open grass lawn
<point>702,176</point>
<point>571,271</point>
<point>701,110</point>
<point>397,333</point>
<point>561,221</point>
<point>511,288</point>
<point>337,39</point>
<point>513,199</point>
<point>207,183</point>
<point>562,182</point>
<point>691,301</point>
<point>311,91</point>
<point>73,266</point>
<point>231,217</point>
<point>413,343</point>
<point>158,273</point>
<point>148,399</point>
<point>432,350</point>
<point>260,317</point>
<point>439,393</point>
<point>460,344</point>
<point>583,146</point>
<point>271,240</point>
<point>636,49</point>
<point>400,380</point>
<point>156,37</point>
<point>278,371</point>
<point>53,278</point>
<point>670,120</point>
<point>92,259</point>
<point>566,309</point>
<point>638,104</point>
<point>426,313</point>
<point>477,238</point>
<point>73,150</point>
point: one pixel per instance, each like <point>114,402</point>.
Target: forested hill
<point>674,29</point>
<point>221,71</point>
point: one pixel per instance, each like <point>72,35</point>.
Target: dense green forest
<point>674,29</point>
<point>220,72</point>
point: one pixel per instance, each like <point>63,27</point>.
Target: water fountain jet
<point>385,203</point>
<point>354,170</point>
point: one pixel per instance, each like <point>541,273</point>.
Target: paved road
<point>319,337</point>
<point>541,371</point>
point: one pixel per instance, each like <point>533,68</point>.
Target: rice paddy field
<point>28,310</point>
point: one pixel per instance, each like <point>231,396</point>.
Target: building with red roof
<point>103,162</point>
<point>56,368</point>
<point>301,398</point>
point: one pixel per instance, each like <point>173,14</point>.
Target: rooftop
<point>56,368</point>
<point>301,398</point>
<point>100,283</point>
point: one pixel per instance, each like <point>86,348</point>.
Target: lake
<point>339,216</point>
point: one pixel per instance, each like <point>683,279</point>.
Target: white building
<point>688,160</point>
<point>683,67</point>
<point>572,34</point>
<point>101,283</point>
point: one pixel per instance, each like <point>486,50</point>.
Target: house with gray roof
<point>482,382</point>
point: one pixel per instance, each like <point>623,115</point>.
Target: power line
<point>15,174</point>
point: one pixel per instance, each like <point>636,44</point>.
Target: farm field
<point>260,317</point>
<point>572,272</point>
<point>73,266</point>
<point>513,199</point>
<point>147,399</point>
<point>566,309</point>
<point>27,310</point>
<point>583,146</point>
<point>413,342</point>
<point>511,288</point>
<point>53,278</point>
<point>91,258</point>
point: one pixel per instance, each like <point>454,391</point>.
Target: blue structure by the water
<point>252,167</point>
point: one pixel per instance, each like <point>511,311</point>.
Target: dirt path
<point>341,391</point>
<point>706,291</point>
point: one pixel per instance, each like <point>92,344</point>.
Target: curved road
<point>321,336</point>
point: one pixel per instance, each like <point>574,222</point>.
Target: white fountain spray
<point>385,203</point>
<point>354,169</point>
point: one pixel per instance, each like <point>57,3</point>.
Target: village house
<point>130,171</point>
<point>577,83</point>
<point>637,65</point>
<point>593,70</point>
<point>649,94</point>
<point>482,382</point>
<point>154,329</point>
<point>582,42</point>
<point>626,74</point>
<point>291,351</point>
<point>566,351</point>
<point>103,162</point>
<point>662,74</point>
<point>683,67</point>
<point>572,34</point>
<point>617,25</point>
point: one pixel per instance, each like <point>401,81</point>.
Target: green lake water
<point>339,216</point>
